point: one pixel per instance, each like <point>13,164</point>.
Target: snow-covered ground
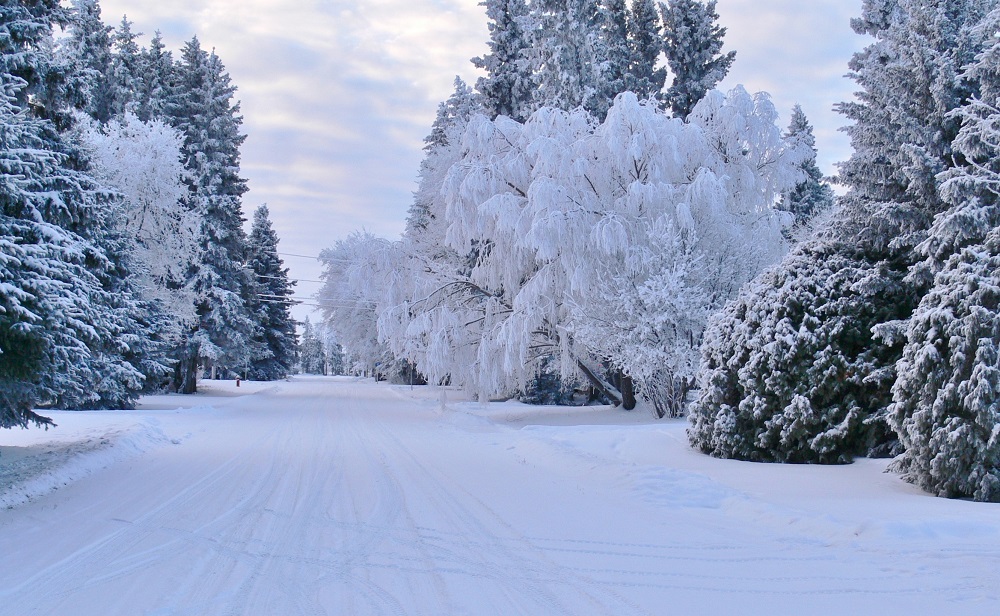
<point>336,496</point>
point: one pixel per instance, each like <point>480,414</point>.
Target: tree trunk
<point>628,392</point>
<point>187,370</point>
<point>600,385</point>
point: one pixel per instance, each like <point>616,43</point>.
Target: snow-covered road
<point>326,496</point>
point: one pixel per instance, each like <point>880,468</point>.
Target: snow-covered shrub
<point>790,372</point>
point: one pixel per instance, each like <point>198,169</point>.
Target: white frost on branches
<point>142,162</point>
<point>581,240</point>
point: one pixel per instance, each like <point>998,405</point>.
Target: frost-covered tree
<point>569,55</point>
<point>508,86</point>
<point>645,77</point>
<point>311,356</point>
<point>277,329</point>
<point>203,110</point>
<point>157,85</point>
<point>812,196</point>
<point>847,331</point>
<point>946,399</point>
<point>692,41</point>
<point>141,161</point>
<point>569,223</point>
<point>360,272</point>
<point>85,56</point>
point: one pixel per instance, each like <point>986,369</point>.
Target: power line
<point>280,299</point>
<point>314,258</point>
<point>287,278</point>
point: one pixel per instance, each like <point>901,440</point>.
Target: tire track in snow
<point>513,561</point>
<point>124,543</point>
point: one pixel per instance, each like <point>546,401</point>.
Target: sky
<point>338,95</point>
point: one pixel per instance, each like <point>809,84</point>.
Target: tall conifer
<point>693,43</point>
<point>204,111</point>
<point>277,328</point>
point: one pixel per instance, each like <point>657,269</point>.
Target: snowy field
<point>336,496</point>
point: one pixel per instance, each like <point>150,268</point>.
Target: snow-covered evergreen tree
<point>85,56</point>
<point>508,86</point>
<point>45,296</point>
<point>786,370</point>
<point>946,399</point>
<point>311,359</point>
<point>843,331</point>
<point>570,53</point>
<point>645,77</point>
<point>615,50</point>
<point>813,195</point>
<point>157,86</point>
<point>126,69</point>
<point>204,111</point>
<point>67,316</point>
<point>693,45</point>
<point>332,351</point>
<point>277,329</point>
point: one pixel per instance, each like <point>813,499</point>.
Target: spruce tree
<point>507,88</point>
<point>311,360</point>
<point>66,309</point>
<point>569,53</point>
<point>848,330</point>
<point>277,329</point>
<point>157,86</point>
<point>645,38</point>
<point>693,46</point>
<point>812,195</point>
<point>945,398</point>
<point>204,111</point>
<point>126,69</point>
<point>85,54</point>
<point>616,60</point>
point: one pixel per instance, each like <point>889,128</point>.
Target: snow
<point>343,496</point>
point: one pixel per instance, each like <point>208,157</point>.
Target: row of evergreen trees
<point>85,315</point>
<point>881,334</point>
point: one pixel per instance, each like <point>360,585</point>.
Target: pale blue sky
<point>338,95</point>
